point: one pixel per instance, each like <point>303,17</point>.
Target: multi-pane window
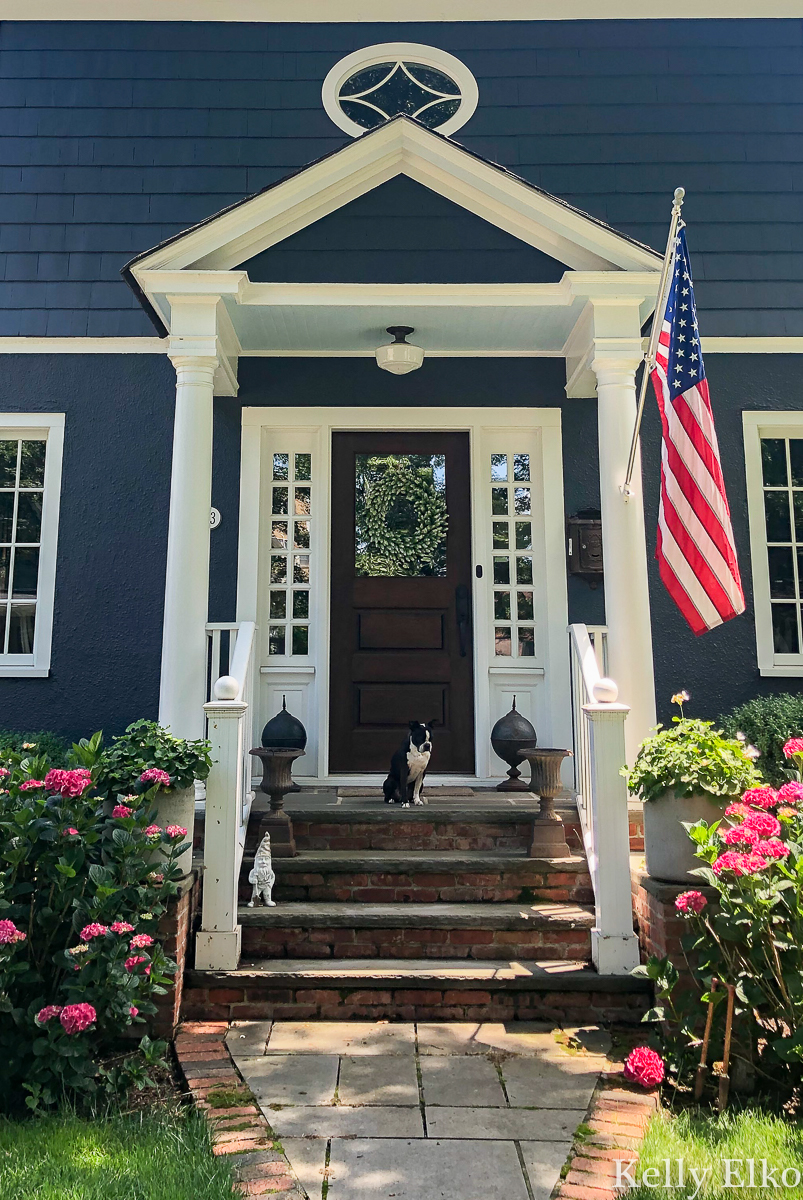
<point>512,553</point>
<point>291,539</point>
<point>782,478</point>
<point>22,482</point>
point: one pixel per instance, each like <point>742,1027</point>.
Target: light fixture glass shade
<point>399,358</point>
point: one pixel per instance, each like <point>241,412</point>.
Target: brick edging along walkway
<point>237,1127</point>
<point>617,1118</point>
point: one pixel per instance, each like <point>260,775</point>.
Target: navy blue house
<point>206,229</point>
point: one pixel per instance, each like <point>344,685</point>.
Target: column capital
<point>616,364</point>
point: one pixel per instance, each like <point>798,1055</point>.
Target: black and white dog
<point>409,766</point>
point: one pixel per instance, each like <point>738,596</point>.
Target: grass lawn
<point>705,1141</point>
<point>161,1155</point>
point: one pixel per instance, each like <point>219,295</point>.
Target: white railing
<point>229,717</point>
<point>598,722</point>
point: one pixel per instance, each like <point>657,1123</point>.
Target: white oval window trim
<point>428,56</point>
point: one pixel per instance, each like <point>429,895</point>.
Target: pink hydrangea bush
<point>81,896</point>
<point>750,933</point>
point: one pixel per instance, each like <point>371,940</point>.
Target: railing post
<point>217,944</point>
<point>614,945</point>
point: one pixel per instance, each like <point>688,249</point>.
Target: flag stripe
<point>695,548</point>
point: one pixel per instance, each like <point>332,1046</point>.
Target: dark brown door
<point>401,598</point>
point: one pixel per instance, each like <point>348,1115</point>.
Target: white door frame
<point>550,668</point>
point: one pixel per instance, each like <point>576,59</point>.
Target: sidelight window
<point>290,554</point>
<point>511,545</point>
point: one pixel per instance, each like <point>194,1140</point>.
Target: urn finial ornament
<point>510,735</point>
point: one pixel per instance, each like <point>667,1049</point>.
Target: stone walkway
<point>379,1111</point>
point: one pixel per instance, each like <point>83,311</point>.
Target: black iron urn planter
<point>285,730</point>
<point>277,762</point>
<point>510,735</point>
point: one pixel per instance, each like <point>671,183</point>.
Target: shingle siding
<point>117,135</point>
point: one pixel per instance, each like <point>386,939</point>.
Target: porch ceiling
<point>351,319</point>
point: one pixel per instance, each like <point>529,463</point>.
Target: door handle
<point>463,614</point>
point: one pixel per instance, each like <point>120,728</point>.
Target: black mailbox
<point>584,534</point>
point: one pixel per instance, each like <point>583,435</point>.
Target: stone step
<point>407,989</point>
<point>471,931</point>
<point>426,877</point>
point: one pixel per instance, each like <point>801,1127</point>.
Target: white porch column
<point>183,678</point>
<point>624,548</point>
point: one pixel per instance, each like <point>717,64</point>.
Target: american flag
<point>696,552</point>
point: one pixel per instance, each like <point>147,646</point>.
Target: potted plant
<point>686,774</point>
<point>146,755</point>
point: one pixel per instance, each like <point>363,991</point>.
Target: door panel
<point>400,619</point>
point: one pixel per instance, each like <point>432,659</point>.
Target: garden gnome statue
<point>263,875</point>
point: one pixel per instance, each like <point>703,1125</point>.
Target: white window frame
<point>428,56</point>
<point>757,425</point>
<point>17,425</point>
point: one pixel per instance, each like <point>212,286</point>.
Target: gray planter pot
<point>178,808</point>
<point>668,849</point>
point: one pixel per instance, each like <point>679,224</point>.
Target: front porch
<point>493,627</point>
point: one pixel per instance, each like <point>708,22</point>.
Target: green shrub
<point>768,722</point>
<point>50,745</point>
<point>83,883</point>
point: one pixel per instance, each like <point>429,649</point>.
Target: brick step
<point>451,827</point>
<point>408,990</point>
<point>471,931</point>
<point>377,876</point>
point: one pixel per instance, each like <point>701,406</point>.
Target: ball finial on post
<point>226,688</point>
<point>605,691</point>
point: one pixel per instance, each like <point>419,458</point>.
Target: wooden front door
<point>401,644</point>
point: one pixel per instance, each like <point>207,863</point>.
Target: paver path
<point>421,1111</point>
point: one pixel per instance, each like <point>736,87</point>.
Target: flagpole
<point>655,333</point>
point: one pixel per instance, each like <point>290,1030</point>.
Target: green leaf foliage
<point>146,744</point>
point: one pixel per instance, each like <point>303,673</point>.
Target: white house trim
<point>548,671</point>
<point>372,11</point>
<point>400,147</point>
<point>156,345</point>
<point>16,425</point>
<point>758,424</point>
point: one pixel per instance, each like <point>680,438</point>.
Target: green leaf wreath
<point>401,519</point>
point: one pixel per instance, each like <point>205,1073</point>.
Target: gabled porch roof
<point>348,318</point>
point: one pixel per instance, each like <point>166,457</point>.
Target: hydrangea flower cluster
<point>10,934</point>
<point>121,927</point>
<point>134,961</point>
<point>793,746</point>
<point>30,785</point>
<point>176,831</point>
<point>121,811</point>
<point>92,931</point>
<point>140,940</point>
<point>75,1018</point>
<point>755,843</point>
<point>68,783</point>
<point>155,775</point>
<point>645,1067</point>
<point>690,902</point>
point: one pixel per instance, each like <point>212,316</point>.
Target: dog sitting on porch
<point>409,766</point>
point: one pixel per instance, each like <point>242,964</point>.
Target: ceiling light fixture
<point>399,357</point>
